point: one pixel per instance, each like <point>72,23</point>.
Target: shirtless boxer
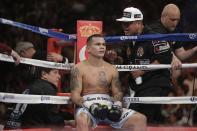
<point>96,91</point>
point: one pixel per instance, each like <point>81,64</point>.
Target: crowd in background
<point>63,14</point>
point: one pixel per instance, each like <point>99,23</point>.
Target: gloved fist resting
<point>99,111</point>
<point>115,113</point>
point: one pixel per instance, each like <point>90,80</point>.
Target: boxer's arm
<point>76,86</point>
<point>117,93</point>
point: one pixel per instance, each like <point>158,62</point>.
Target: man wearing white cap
<point>146,83</point>
<point>132,16</point>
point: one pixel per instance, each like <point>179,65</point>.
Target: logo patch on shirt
<point>142,61</point>
<point>140,52</point>
<point>160,46</point>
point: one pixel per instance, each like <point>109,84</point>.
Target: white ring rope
<point>68,66</point>
<point>47,99</point>
<point>162,100</point>
<point>41,63</point>
<point>33,99</point>
<point>151,67</point>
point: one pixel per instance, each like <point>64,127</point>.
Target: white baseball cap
<point>131,14</point>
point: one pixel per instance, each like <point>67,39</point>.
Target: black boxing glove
<point>99,111</point>
<point>115,113</point>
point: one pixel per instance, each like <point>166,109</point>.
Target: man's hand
<point>54,57</point>
<point>16,57</point>
<point>99,111</point>
<point>137,73</point>
<point>115,111</point>
<point>176,63</point>
<point>195,49</point>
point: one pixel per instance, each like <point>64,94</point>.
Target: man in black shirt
<point>146,83</point>
<point>43,114</point>
<point>168,22</point>
<point>40,115</point>
<point>170,17</point>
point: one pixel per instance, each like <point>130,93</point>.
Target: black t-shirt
<point>158,27</point>
<point>144,53</point>
<point>42,115</point>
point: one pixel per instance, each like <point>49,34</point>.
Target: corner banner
<point>84,30</point>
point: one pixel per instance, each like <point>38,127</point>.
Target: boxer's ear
<point>88,49</point>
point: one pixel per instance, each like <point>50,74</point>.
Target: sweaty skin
<point>97,80</point>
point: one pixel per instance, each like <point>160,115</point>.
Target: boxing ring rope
<point>47,99</point>
<point>33,99</point>
<point>41,63</point>
<point>68,66</point>
<point>151,67</point>
<point>72,38</point>
<point>21,98</point>
<point>39,30</point>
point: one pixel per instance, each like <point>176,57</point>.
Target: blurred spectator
<point>190,81</point>
<point>113,56</point>
<point>195,110</point>
<point>27,50</point>
<point>168,111</point>
<point>3,111</point>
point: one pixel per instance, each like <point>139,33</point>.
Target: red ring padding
<point>108,128</point>
<point>35,129</point>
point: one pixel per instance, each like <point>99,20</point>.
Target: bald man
<point>168,22</point>
<point>170,17</point>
